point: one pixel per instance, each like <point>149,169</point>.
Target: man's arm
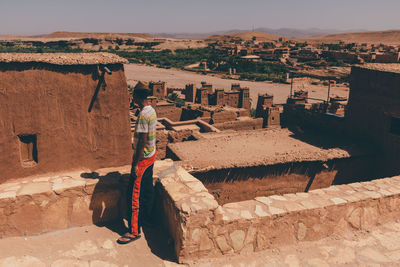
<point>138,153</point>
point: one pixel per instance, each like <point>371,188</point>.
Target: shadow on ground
<point>109,206</point>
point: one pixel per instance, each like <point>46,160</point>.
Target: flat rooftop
<point>62,58</point>
<point>393,67</point>
<point>257,148</point>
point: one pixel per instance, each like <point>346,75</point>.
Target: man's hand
<point>134,171</point>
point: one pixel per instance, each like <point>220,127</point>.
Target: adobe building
<point>219,97</point>
<point>159,89</point>
<point>190,93</point>
<point>232,98</point>
<point>373,110</point>
<point>299,97</point>
<point>207,86</point>
<point>202,96</point>
<point>244,98</point>
<point>62,112</point>
<point>264,101</point>
<point>266,110</point>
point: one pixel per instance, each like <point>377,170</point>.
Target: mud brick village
<point>240,170</point>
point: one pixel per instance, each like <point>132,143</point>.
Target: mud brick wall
<point>223,116</point>
<point>169,111</point>
<point>161,144</point>
<point>159,89</point>
<point>180,136</point>
<point>51,102</point>
<point>374,99</point>
<point>238,125</point>
<point>387,58</point>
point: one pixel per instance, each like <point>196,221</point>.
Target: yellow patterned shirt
<point>146,123</point>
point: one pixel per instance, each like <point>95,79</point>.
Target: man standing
<point>140,190</point>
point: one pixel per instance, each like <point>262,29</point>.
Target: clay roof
<point>394,67</point>
<point>63,58</point>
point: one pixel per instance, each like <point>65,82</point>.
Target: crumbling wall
<point>169,111</point>
<point>161,143</point>
<point>51,103</point>
<point>242,124</point>
<point>223,116</point>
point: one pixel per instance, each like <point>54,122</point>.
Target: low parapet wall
<point>42,204</point>
<point>202,228</point>
<point>198,225</point>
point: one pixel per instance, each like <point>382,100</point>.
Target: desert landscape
<point>178,78</point>
<point>199,134</point>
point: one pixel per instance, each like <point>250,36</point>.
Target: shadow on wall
<point>108,206</point>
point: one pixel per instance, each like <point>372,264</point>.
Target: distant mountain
<point>261,36</point>
<point>283,32</point>
<point>391,37</point>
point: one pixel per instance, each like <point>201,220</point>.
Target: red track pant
<point>140,195</point>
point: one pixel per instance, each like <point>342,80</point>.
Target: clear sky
<point>45,16</point>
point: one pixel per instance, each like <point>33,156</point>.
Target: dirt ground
<point>178,79</point>
<point>256,148</point>
<point>95,246</point>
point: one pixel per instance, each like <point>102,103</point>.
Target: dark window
<point>28,149</point>
<point>395,126</point>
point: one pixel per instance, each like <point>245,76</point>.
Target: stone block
<point>55,216</point>
<point>26,219</point>
<point>67,184</point>
<point>372,194</point>
<point>293,206</point>
<point>223,244</point>
<point>264,200</point>
<point>35,188</point>
<point>205,242</point>
<point>370,217</point>
<point>8,195</point>
<point>237,239</point>
<point>259,211</point>
<point>354,217</point>
<point>81,213</point>
<point>337,200</point>
<point>196,186</point>
<point>301,231</point>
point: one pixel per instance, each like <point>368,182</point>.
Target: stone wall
<point>35,205</point>
<point>202,228</point>
<point>239,184</point>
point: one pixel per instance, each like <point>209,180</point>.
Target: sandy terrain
<point>256,148</point>
<point>178,79</point>
<point>391,37</point>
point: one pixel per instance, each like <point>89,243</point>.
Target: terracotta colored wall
<point>374,99</point>
<point>238,125</point>
<point>239,184</point>
<point>171,112</point>
<point>52,102</point>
